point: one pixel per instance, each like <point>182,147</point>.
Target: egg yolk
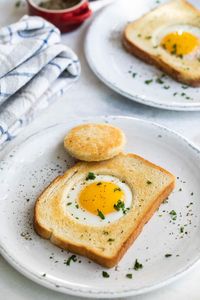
<point>100,196</point>
<point>180,43</point>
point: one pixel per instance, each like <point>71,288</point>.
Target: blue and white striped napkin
<point>35,68</point>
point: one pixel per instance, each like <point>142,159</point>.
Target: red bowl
<point>65,19</point>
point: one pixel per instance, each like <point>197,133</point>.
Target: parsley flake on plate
<point>105,274</point>
<point>70,259</point>
<point>173,215</point>
<point>159,80</point>
<point>148,81</point>
<point>137,265</point>
<point>168,255</point>
<point>90,176</point>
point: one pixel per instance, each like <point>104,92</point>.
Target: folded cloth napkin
<point>35,68</point>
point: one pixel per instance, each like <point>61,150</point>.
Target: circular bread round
<point>94,142</point>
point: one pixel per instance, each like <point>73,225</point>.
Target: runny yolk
<point>180,43</point>
<point>100,196</point>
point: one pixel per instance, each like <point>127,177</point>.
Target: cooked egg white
<point>180,40</point>
<point>99,201</point>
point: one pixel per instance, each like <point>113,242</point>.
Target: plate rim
<point>96,293</point>
<point>113,86</point>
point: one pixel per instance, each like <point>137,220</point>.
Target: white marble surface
<point>89,97</point>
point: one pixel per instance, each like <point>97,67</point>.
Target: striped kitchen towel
<point>35,68</point>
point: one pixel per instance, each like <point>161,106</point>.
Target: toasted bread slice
<point>143,38</point>
<point>149,184</point>
<point>94,142</point>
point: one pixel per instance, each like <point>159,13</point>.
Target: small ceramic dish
<point>65,19</point>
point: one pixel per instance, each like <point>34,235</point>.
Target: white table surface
<point>90,97</point>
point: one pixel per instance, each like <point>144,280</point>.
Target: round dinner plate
<point>125,73</point>
<point>166,248</point>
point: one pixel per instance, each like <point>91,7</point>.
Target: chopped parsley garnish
<point>125,210</point>
<point>166,87</point>
<point>90,176</point>
<point>148,37</point>
<point>110,240</point>
<point>119,205</point>
<point>77,206</point>
<point>71,258</point>
<point>99,183</point>
<point>105,274</point>
<point>100,214</point>
<point>168,255</point>
<point>130,276</point>
<point>148,81</point>
<point>173,215</point>
<point>174,51</point>
<point>44,275</point>
<point>69,203</point>
<point>181,229</point>
<point>159,80</point>
<point>117,189</point>
<point>134,74</point>
<point>137,265</point>
<point>149,182</point>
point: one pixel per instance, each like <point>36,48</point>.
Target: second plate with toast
<point>137,39</point>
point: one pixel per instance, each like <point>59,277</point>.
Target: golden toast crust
<point>91,253</point>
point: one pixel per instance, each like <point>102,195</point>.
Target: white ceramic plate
<point>30,167</point>
<point>123,72</point>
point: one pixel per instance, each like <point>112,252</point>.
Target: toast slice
<point>143,38</point>
<point>149,184</point>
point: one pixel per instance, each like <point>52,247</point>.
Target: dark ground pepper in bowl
<point>58,4</point>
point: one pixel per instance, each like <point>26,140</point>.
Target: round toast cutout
<point>94,142</point>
